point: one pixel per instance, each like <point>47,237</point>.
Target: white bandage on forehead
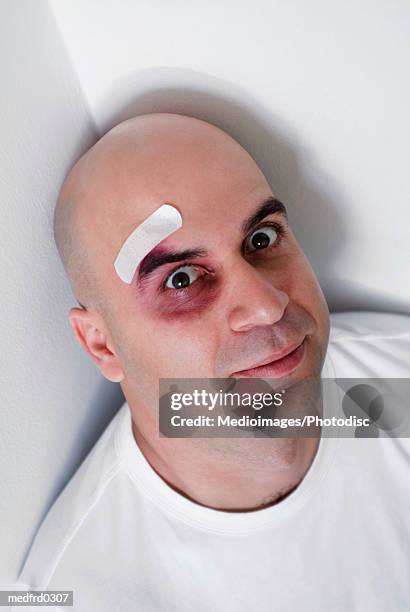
<point>163,222</point>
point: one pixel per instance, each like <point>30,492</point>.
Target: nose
<point>256,301</point>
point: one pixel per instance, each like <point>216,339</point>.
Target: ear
<point>88,330</point>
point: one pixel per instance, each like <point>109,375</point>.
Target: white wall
<point>319,91</point>
<point>53,402</point>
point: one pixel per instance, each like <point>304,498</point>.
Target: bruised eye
<point>262,238</point>
<point>182,277</point>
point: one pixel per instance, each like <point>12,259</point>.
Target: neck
<point>228,474</point>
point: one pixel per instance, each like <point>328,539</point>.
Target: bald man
<point>150,523</point>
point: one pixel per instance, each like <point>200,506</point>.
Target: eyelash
<point>279,228</point>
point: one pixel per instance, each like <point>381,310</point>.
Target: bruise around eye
<point>188,302</point>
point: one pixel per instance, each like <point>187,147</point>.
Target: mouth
<point>277,365</point>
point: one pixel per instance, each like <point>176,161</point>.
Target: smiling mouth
<point>276,367</point>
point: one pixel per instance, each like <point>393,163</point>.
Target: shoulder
<point>76,504</point>
<point>370,344</point>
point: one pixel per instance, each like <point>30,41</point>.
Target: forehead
<point>214,186</point>
<point>202,183</point>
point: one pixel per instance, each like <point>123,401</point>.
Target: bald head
<point>218,295</point>
<point>121,180</point>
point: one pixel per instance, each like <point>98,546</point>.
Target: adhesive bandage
<point>164,221</point>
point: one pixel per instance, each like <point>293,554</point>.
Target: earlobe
<point>90,334</point>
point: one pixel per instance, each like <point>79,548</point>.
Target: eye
<point>182,277</point>
<point>262,238</point>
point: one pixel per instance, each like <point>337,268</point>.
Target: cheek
<point>177,339</point>
<point>183,351</point>
<point>300,279</point>
<point>306,292</point>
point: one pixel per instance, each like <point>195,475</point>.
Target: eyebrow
<point>160,256</point>
<point>271,206</point>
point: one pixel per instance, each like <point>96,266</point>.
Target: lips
<point>276,365</point>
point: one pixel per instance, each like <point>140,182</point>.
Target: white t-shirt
<point>123,540</point>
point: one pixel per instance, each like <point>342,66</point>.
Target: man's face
<point>227,292</point>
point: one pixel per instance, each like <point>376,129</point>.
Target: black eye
<point>262,238</point>
<point>183,277</point>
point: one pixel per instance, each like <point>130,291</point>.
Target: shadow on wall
<point>107,400</point>
<point>314,202</point>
